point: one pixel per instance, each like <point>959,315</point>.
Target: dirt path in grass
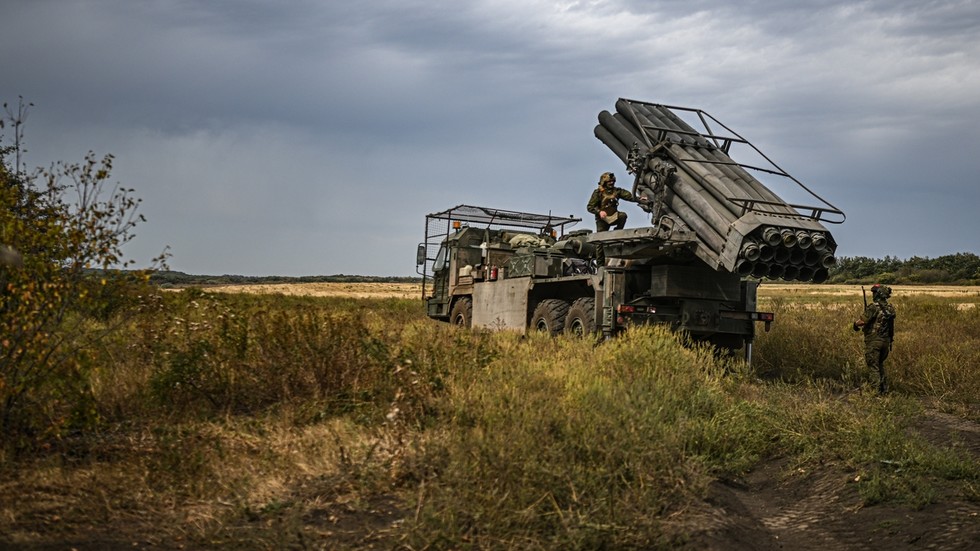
<point>778,507</point>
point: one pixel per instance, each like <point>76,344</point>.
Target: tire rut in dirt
<point>773,508</point>
<point>949,431</point>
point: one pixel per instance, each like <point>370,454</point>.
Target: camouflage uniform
<point>878,324</point>
<point>606,198</point>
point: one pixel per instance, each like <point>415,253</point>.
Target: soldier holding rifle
<point>878,324</point>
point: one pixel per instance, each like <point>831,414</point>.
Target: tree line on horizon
<point>172,278</point>
<point>951,269</point>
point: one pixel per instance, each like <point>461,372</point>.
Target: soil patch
<point>778,507</point>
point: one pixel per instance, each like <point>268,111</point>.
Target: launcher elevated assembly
<point>740,225</point>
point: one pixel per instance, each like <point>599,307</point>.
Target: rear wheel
<point>581,317</point>
<point>462,313</point>
<point>549,316</point>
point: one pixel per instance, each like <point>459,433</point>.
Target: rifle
<point>864,294</point>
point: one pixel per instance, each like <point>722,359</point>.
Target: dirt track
<point>778,507</point>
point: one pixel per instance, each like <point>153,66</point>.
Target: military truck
<point>716,231</point>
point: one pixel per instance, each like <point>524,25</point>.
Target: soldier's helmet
<point>879,291</point>
<point>607,179</point>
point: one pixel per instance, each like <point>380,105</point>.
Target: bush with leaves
<point>65,230</point>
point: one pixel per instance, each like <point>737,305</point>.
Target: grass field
<point>847,294</point>
<point>338,416</point>
<point>350,290</point>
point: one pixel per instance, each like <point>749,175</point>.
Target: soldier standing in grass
<point>878,324</point>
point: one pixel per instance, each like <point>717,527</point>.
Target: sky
<point>311,137</point>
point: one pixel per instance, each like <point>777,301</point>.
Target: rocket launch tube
<point>738,173</point>
<point>610,141</point>
<point>623,134</point>
<point>694,151</point>
<point>700,214</point>
<point>803,239</point>
<point>623,128</point>
<point>819,242</point>
<point>702,210</point>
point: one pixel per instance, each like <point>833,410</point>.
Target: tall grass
<point>238,419</point>
<point>557,444</point>
<point>934,355</point>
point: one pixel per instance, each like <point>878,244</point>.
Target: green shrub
<point>62,298</point>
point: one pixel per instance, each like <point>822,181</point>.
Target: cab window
<point>439,263</point>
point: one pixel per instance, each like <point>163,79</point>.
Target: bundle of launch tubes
<point>741,225</point>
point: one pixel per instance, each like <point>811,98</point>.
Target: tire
<point>549,316</point>
<point>581,317</point>
<point>462,313</point>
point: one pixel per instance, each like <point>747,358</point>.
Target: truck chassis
<point>496,269</point>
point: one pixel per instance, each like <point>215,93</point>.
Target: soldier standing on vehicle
<point>878,324</point>
<point>604,203</point>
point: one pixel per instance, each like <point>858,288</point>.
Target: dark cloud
<point>312,137</point>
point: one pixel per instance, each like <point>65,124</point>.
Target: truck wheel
<point>462,313</point>
<point>581,317</point>
<point>549,316</point>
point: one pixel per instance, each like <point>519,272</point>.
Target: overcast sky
<point>271,137</point>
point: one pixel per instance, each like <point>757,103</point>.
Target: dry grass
<point>350,290</point>
<point>848,294</point>
<point>963,297</point>
<point>448,439</point>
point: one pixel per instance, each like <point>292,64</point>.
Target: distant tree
<point>959,268</point>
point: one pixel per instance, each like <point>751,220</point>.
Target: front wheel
<point>462,313</point>
<point>549,316</point>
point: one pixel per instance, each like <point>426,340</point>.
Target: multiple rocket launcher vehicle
<point>715,231</point>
